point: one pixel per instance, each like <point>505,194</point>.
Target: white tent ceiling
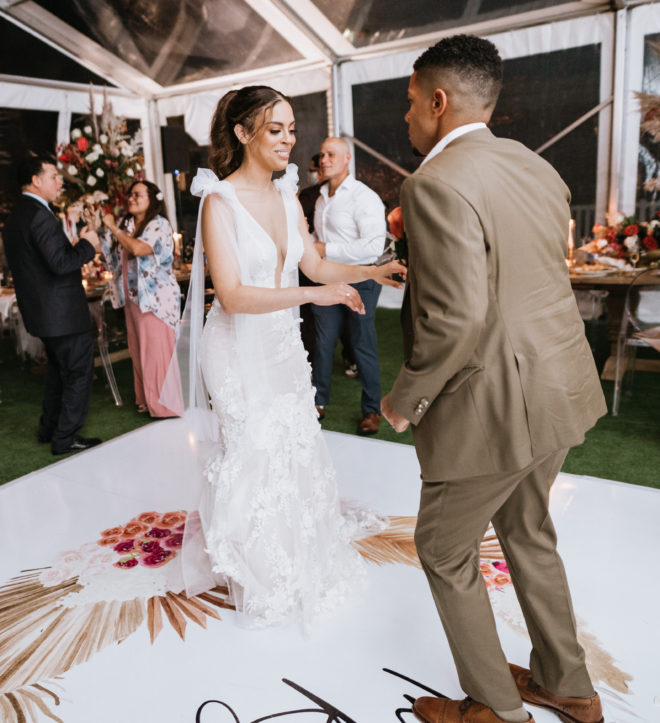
<point>177,57</point>
<point>159,48</point>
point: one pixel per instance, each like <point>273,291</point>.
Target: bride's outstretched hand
<point>338,293</point>
<point>383,274</point>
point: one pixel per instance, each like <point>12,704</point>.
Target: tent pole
<point>153,159</point>
<point>64,122</point>
<point>335,106</point>
<point>618,116</point>
<point>342,108</point>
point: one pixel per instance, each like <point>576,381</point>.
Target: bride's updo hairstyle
<point>238,107</point>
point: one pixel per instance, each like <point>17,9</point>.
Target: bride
<point>270,513</point>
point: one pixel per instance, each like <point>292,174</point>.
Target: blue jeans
<point>330,321</point>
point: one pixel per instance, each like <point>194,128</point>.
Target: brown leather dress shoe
<point>369,424</point>
<point>443,710</point>
<point>569,710</point>
<point>320,411</point>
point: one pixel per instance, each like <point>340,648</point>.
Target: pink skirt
<point>151,345</point>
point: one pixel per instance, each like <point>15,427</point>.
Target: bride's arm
<point>327,272</point>
<point>220,249</point>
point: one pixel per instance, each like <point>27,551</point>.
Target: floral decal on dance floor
<point>59,616</point>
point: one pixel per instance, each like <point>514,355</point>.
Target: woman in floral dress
<point>140,252</point>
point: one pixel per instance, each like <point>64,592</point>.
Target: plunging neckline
<point>265,233</point>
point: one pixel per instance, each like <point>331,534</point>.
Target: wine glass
<point>634,258</point>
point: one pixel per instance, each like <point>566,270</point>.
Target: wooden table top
<point>611,279</point>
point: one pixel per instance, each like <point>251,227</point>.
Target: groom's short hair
<point>473,63</point>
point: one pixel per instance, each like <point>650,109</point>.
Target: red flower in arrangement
<point>149,546</point>
<point>156,559</point>
<point>395,221</point>
<point>174,542</point>
<point>650,243</point>
<point>126,563</point>
<point>631,230</point>
<point>82,143</point>
<point>617,250</point>
<point>611,235</point>
<point>112,532</point>
<point>124,546</point>
<point>158,532</point>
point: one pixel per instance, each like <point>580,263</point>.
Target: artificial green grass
<point>21,393</point>
<point>624,448</point>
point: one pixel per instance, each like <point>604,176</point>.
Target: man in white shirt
<point>349,222</point>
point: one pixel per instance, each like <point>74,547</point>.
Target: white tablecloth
<point>10,317</point>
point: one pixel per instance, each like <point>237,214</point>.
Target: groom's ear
<point>438,102</point>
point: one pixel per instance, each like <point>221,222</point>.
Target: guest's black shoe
<point>77,445</point>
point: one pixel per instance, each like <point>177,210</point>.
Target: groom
<point>498,382</point>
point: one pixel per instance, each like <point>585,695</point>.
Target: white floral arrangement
<point>100,158</point>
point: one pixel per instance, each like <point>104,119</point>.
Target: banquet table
<point>616,283</point>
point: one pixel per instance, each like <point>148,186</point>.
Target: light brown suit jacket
<point>497,369</point>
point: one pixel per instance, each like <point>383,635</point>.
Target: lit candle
<point>571,241</point>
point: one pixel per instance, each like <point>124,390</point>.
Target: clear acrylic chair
<point>641,314</point>
<point>97,310</point>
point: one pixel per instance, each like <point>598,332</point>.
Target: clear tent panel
<point>21,131</point>
<point>178,41</point>
<point>366,22</point>
<point>647,201</point>
<point>542,95</point>
<point>22,54</point>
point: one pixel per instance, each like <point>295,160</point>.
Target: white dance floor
<point>83,641</point>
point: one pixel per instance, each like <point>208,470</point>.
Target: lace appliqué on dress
<point>272,518</point>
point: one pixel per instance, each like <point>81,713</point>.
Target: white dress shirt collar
<point>347,184</point>
<point>452,136</point>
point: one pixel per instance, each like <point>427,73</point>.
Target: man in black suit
<point>51,298</point>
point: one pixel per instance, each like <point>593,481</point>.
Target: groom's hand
<point>397,422</point>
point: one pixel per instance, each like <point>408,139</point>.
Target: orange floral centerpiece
<point>625,237</point>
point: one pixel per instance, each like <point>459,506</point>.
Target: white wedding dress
<point>271,514</point>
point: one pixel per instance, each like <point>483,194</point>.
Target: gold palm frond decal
<point>41,640</point>
<point>41,637</point>
<point>396,544</point>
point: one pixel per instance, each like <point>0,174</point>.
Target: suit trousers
<point>68,387</point>
<point>329,322</point>
<point>453,518</point>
